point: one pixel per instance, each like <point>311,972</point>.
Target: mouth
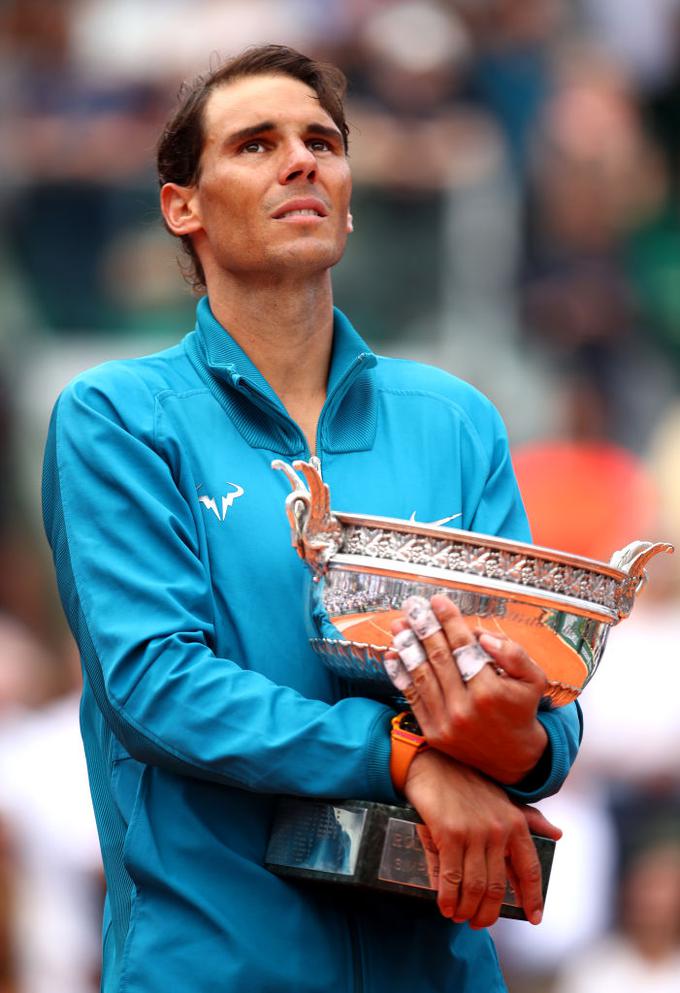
<point>298,213</point>
<point>306,208</point>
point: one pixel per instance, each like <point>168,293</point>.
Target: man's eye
<point>319,145</point>
<point>253,146</point>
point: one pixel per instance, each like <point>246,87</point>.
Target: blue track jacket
<point>202,699</point>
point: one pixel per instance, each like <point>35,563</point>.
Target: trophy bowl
<point>560,607</point>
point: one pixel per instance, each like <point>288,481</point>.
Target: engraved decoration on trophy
<point>560,607</point>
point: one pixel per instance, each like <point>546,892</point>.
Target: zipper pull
<point>315,462</point>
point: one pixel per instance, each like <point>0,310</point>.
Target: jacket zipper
<point>269,407</point>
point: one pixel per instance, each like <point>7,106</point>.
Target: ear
<point>350,222</point>
<point>179,207</point>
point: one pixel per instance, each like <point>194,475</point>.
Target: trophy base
<point>365,845</point>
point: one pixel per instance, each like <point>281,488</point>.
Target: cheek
<point>345,185</point>
<point>229,200</point>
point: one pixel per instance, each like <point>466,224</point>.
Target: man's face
<point>274,186</point>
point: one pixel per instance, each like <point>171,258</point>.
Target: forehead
<point>243,102</point>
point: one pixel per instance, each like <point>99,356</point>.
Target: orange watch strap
<point>405,747</point>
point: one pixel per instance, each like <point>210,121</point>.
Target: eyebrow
<point>255,129</point>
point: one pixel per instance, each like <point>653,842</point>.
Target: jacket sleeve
<point>564,728</point>
<point>137,597</point>
<point>499,511</point>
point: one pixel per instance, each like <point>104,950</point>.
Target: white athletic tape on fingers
<point>421,617</point>
<point>396,670</point>
<point>411,652</point>
<point>470,659</point>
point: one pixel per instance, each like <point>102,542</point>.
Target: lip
<point>301,203</point>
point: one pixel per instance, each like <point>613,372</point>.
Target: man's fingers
<point>439,646</point>
<point>397,671</point>
<point>469,659</point>
<point>442,630</point>
<point>527,869</point>
<point>409,649</point>
<point>423,690</point>
<point>538,824</point>
<point>511,658</point>
<point>452,621</point>
<point>450,880</point>
<point>475,882</point>
<point>426,625</point>
<point>420,616</point>
<point>496,887</point>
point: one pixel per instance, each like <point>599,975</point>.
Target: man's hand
<point>482,840</point>
<point>489,722</point>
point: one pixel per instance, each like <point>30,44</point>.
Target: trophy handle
<point>316,533</point>
<point>633,559</point>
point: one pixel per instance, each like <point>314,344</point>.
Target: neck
<point>285,327</point>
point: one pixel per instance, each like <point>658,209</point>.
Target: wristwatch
<point>407,741</point>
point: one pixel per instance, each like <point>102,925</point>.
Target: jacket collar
<point>349,416</point>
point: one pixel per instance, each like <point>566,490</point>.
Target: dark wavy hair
<point>181,144</point>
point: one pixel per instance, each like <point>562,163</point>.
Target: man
<point>202,698</point>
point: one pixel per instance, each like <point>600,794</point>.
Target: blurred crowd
<point>517,222</point>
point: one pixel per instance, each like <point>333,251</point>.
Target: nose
<point>299,162</point>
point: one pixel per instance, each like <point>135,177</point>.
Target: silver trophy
<point>560,607</point>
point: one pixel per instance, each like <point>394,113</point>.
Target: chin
<point>312,256</point>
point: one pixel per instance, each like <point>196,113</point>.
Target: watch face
<point>409,723</point>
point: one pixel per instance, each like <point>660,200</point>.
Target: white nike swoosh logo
<point>436,524</point>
